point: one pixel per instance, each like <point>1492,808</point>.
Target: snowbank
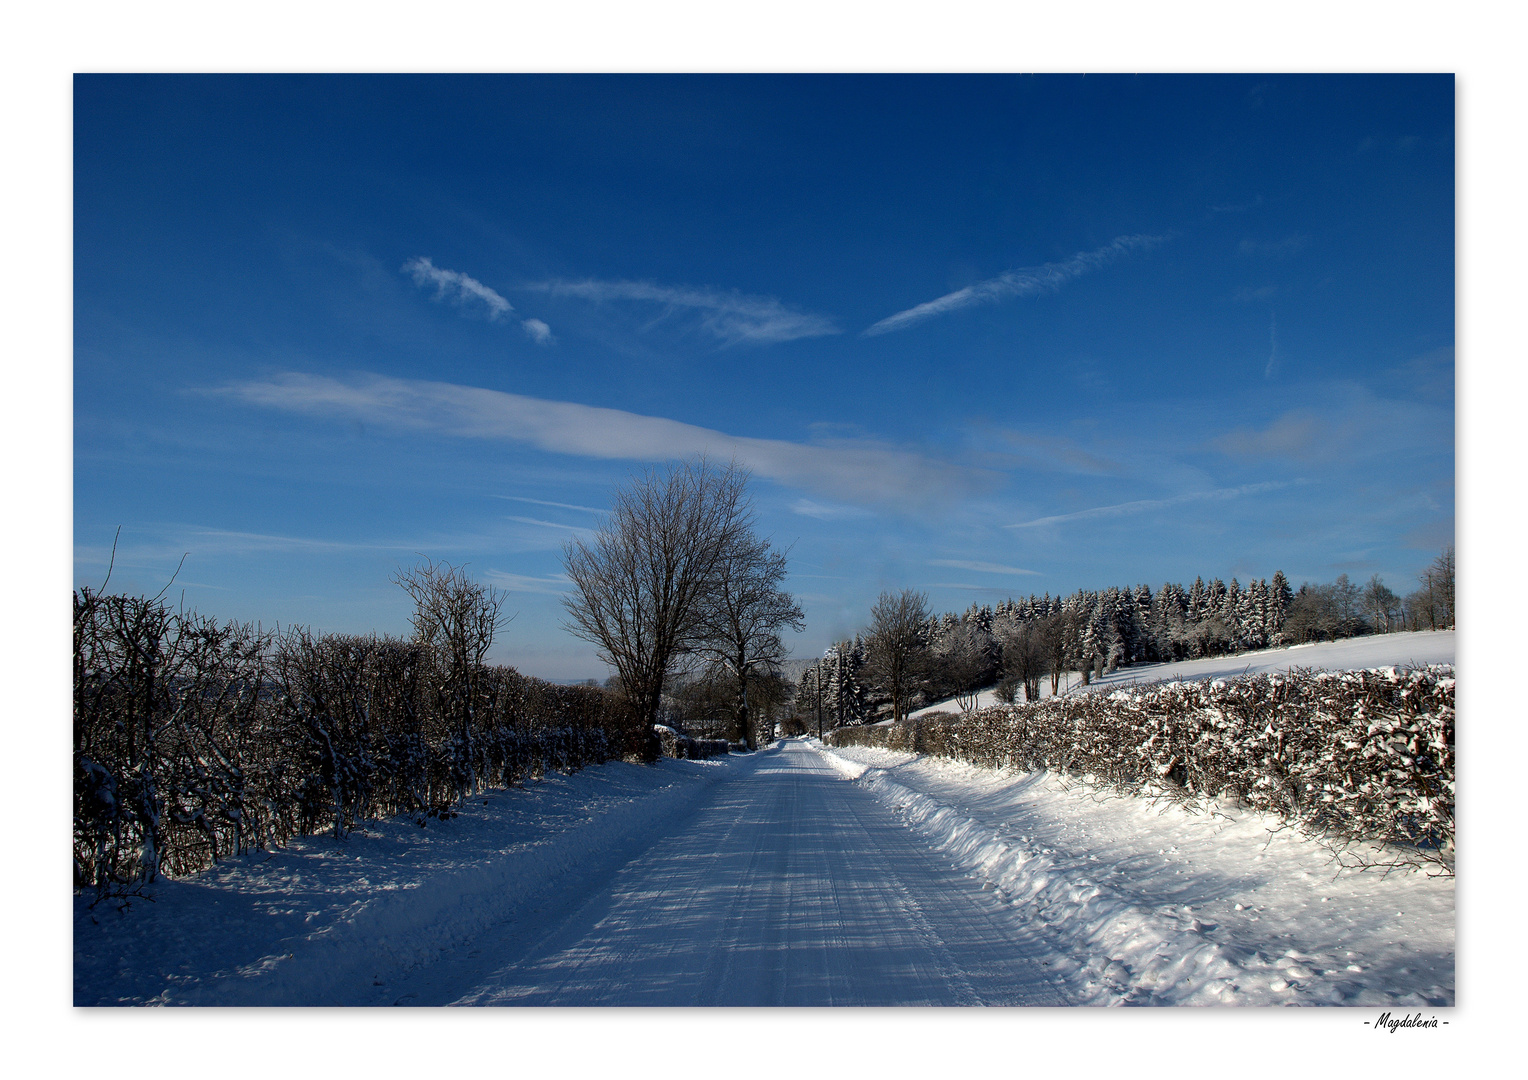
<point>1146,902</point>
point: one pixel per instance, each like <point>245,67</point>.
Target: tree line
<point>196,739</point>
<point>686,602</point>
<point>907,657</point>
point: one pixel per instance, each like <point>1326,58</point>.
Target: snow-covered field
<point>1378,650</point>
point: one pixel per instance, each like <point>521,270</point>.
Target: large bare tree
<point>895,648</point>
<point>741,620</point>
<point>642,583</point>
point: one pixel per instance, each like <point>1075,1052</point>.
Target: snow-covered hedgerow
<point>1348,756</point>
<point>194,740</point>
<point>676,744</point>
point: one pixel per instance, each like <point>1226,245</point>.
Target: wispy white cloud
<point>538,331</point>
<point>1348,423</point>
<point>170,541</point>
<point>980,567</point>
<point>857,472</point>
<point>544,502</point>
<point>468,292</point>
<point>556,585</point>
<point>996,590</point>
<point>547,524</point>
<point>1023,282</point>
<point>730,316</point>
<point>225,541</point>
<point>1046,451</point>
<point>462,290</point>
<point>1142,505</point>
<point>1298,434</point>
<point>808,508</point>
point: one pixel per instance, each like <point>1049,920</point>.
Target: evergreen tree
<point>1195,611</point>
<point>1254,615</point>
<point>844,696</point>
<point>1141,614</point>
<point>1280,596</point>
<point>1215,599</point>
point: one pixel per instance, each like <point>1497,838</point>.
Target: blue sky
<point>982,336</point>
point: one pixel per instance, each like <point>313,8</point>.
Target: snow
<point>761,879</point>
<point>871,877</point>
<point>786,886</point>
<point>1145,902</point>
<point>798,875</point>
<point>1411,649</point>
<point>320,919</point>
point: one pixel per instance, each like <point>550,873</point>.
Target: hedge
<point>1347,756</point>
<point>195,740</point>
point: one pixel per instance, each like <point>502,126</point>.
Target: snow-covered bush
<point>1348,756</point>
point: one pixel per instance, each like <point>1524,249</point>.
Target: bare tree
<point>741,618</point>
<point>456,620</point>
<point>1056,632</point>
<point>967,658</point>
<point>1024,660</point>
<point>769,693</point>
<point>1345,600</point>
<point>1438,583</point>
<point>1380,604</point>
<point>643,581</point>
<point>895,647</point>
<point>451,611</point>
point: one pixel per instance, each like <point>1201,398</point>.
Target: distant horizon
<point>795,660</point>
<point>981,336</point>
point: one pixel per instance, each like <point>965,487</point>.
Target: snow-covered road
<point>795,876</point>
<point>785,886</point>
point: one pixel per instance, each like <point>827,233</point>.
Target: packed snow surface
<point>764,879</point>
<point>799,875</point>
